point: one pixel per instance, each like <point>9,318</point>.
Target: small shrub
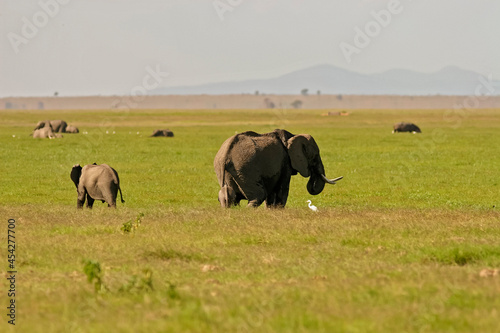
<point>464,256</point>
<point>170,254</point>
<point>138,284</point>
<point>92,270</point>
<point>131,226</point>
<point>172,292</point>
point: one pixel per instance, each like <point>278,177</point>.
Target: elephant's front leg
<point>277,200</point>
<point>279,196</point>
<point>271,200</point>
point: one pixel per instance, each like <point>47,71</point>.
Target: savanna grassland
<point>408,241</point>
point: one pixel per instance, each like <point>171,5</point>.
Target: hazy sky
<point>82,47</point>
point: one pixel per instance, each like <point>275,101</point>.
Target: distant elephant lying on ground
<point>58,126</point>
<point>44,133</point>
<point>96,182</point>
<point>164,132</point>
<point>72,129</point>
<point>258,167</point>
<point>406,127</point>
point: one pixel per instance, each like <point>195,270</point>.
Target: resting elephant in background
<point>71,129</point>
<point>44,133</point>
<point>406,127</point>
<point>165,132</point>
<point>58,126</point>
<point>258,167</point>
<point>96,182</point>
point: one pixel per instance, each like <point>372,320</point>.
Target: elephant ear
<point>283,135</point>
<point>76,172</point>
<point>297,147</point>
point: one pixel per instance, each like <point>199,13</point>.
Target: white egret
<point>312,207</point>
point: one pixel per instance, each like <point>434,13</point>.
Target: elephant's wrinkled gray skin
<point>258,167</point>
<point>72,129</point>
<point>44,133</point>
<point>96,182</point>
<point>165,132</point>
<point>58,126</point>
<point>406,127</point>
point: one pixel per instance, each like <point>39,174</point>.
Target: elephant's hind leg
<point>227,196</point>
<point>110,196</point>
<point>256,196</point>
<point>90,202</point>
<point>111,203</point>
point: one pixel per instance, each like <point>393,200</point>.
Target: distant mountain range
<point>329,79</point>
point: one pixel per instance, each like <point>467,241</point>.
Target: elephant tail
<point>116,181</point>
<point>223,173</point>
<point>121,196</point>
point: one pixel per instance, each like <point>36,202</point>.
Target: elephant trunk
<point>317,181</point>
<point>315,184</point>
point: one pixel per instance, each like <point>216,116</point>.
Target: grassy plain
<point>397,246</point>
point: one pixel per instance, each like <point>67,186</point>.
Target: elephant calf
<point>58,126</point>
<point>72,129</point>
<point>406,127</point>
<point>258,167</point>
<point>96,182</point>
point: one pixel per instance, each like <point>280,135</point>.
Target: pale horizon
<point>88,48</point>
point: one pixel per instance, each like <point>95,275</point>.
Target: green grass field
<point>397,246</point>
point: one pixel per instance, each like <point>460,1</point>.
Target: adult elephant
<point>164,132</point>
<point>44,133</point>
<point>406,127</point>
<point>58,126</point>
<point>258,167</point>
<point>96,182</point>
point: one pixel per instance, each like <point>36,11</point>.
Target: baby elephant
<point>96,182</point>
<point>71,129</point>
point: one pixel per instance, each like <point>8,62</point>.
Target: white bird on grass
<point>312,207</point>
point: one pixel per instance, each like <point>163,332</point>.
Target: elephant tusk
<point>331,181</point>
